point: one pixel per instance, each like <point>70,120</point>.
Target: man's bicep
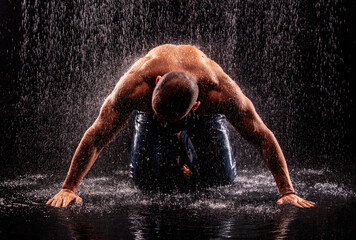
<point>132,92</point>
<point>129,92</point>
<point>120,103</point>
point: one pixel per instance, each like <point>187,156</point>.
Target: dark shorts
<point>204,147</point>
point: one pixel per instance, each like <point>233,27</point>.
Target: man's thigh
<point>154,154</point>
<point>144,162</point>
<point>215,159</point>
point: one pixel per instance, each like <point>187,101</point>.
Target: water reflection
<point>114,209</point>
<point>79,225</point>
<point>282,222</point>
<point>151,223</point>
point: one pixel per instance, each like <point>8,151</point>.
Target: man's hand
<point>63,198</point>
<point>296,201</point>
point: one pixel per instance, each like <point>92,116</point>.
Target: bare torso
<point>212,81</point>
<point>217,94</point>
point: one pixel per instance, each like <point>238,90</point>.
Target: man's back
<point>211,79</point>
<point>217,94</point>
<point>186,58</point>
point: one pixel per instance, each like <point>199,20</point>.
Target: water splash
<point>286,57</point>
<point>252,193</point>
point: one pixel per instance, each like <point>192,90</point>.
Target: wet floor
<point>114,209</point>
<point>62,58</point>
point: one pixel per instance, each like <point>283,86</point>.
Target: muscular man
<point>171,84</point>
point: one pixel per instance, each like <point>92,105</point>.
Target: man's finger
<point>54,202</point>
<point>49,201</point>
<point>66,201</point>
<point>310,204</point>
<point>280,201</point>
<point>78,199</point>
<point>296,203</point>
<point>304,204</point>
<point>59,202</point>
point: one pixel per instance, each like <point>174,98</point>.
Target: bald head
<point>174,95</point>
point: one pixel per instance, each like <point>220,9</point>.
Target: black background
<point>297,69</point>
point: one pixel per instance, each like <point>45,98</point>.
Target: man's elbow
<point>267,138</point>
<point>261,135</point>
<point>94,138</point>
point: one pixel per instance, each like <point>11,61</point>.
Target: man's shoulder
<point>169,57</point>
<point>170,46</point>
<point>167,49</point>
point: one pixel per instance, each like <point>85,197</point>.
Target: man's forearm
<point>274,158</point>
<point>82,161</point>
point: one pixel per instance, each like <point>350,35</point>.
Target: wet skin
<point>218,94</point>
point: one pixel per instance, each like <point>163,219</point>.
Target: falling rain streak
<point>285,55</point>
<point>288,57</point>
